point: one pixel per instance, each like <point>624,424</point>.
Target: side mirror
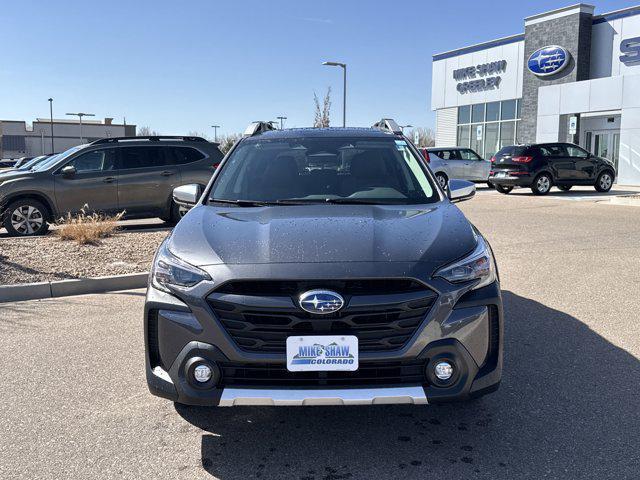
<point>187,195</point>
<point>460,190</point>
<point>68,171</point>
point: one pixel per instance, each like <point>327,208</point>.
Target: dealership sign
<point>548,60</point>
<point>479,77</point>
<point>630,50</point>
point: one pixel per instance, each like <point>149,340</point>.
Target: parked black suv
<point>544,165</point>
<point>323,266</point>
<point>134,174</point>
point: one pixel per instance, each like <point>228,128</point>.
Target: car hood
<point>11,174</point>
<point>436,234</point>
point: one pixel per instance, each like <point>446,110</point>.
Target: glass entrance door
<point>605,144</point>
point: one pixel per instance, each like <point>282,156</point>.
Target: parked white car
<point>456,162</point>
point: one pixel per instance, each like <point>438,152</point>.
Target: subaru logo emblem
<point>320,302</point>
<point>548,60</point>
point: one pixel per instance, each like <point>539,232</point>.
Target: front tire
<point>604,182</point>
<point>506,189</point>
<point>26,218</point>
<point>442,179</point>
<point>542,184</point>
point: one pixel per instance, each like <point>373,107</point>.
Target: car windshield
<point>318,170</point>
<point>55,158</point>
<point>32,162</point>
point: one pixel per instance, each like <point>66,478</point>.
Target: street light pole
<point>281,121</point>
<point>215,132</point>
<point>344,88</point>
<point>53,150</point>
<point>402,127</point>
<point>80,115</point>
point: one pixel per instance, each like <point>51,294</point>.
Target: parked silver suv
<point>456,162</point>
<point>131,174</point>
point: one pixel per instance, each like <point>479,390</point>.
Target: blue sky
<point>183,66</point>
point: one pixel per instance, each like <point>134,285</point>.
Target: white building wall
<point>614,94</point>
<point>446,127</point>
<point>605,46</point>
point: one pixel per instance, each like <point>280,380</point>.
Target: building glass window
<point>477,113</point>
<point>464,135</point>
<point>477,137</point>
<point>508,110</point>
<point>507,133</point>
<point>493,111</point>
<point>491,139</point>
<point>464,114</point>
<point>496,123</point>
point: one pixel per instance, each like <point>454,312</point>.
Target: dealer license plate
<point>322,353</point>
<point>501,174</point>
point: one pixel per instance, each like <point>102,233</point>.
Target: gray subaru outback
<point>132,174</point>
<point>323,267</point>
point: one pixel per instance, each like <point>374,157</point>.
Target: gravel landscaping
<point>47,258</point>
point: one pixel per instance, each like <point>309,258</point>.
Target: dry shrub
<point>87,229</point>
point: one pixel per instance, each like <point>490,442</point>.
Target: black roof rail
<point>255,128</point>
<point>150,138</point>
<point>388,124</point>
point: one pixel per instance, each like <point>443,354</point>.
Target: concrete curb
<point>65,288</point>
<point>633,200</point>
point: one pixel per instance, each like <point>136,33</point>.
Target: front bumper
<point>278,397</point>
<point>463,326</point>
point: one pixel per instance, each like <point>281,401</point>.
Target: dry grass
<point>87,229</point>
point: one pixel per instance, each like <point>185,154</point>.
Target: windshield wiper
<point>240,203</point>
<point>254,203</point>
<point>356,201</point>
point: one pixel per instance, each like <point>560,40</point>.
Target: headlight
<point>169,271</point>
<point>478,265</point>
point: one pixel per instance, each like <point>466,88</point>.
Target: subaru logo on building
<point>548,60</point>
<point>321,302</point>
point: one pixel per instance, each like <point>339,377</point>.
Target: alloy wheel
<point>26,219</point>
<point>605,181</point>
<point>543,184</point>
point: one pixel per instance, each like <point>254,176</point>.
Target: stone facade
<point>573,32</point>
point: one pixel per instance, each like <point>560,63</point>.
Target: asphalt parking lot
<point>75,402</point>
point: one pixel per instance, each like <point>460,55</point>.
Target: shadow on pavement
<point>573,193</point>
<point>567,408</point>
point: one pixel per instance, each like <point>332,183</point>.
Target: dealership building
<point>572,76</point>
<point>21,139</point>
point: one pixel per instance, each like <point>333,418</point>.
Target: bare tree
<point>194,133</point>
<point>227,141</point>
<point>426,137</point>
<point>147,132</point>
<point>321,117</point>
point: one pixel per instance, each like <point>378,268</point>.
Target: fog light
<point>202,373</point>
<point>443,370</point>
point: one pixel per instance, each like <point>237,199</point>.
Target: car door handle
<point>109,180</point>
<point>167,173</point>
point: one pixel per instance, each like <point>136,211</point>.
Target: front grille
<point>383,314</point>
<point>368,374</point>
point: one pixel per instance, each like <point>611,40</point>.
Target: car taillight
<point>216,165</point>
<point>521,159</point>
<point>493,159</point>
<point>425,155</point>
